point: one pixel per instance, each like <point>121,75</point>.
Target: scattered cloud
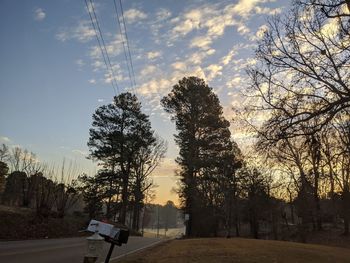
<point>163,14</point>
<point>214,70</point>
<point>260,33</point>
<point>80,152</point>
<point>202,42</point>
<point>92,81</point>
<point>154,86</point>
<point>83,32</point>
<point>134,15</point>
<point>149,69</point>
<point>179,66</point>
<point>39,14</point>
<point>5,139</point>
<point>154,54</point>
<point>80,62</point>
<point>234,82</point>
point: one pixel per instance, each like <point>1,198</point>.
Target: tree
<point>169,215</point>
<point>203,138</point>
<point>3,172</point>
<point>4,153</point>
<point>256,189</point>
<point>301,77</point>
<point>15,188</point>
<point>146,161</point>
<point>330,8</point>
<point>92,194</point>
<point>119,131</point>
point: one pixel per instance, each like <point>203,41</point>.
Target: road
<point>65,250</point>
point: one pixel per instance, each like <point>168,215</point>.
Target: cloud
<point>214,70</point>
<point>210,51</point>
<point>234,82</point>
<point>179,66</point>
<point>154,86</point>
<point>148,70</point>
<point>259,34</point>
<point>39,14</point>
<point>154,54</point>
<point>83,32</point>
<point>215,18</point>
<point>202,42</point>
<point>245,8</point>
<point>92,81</point>
<point>163,14</point>
<point>133,15</point>
<point>5,139</point>
<point>197,57</point>
<point>80,62</point>
<point>80,152</point>
<point>188,22</point>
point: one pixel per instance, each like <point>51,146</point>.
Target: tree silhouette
<point>119,131</point>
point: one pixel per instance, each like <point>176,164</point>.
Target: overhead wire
<point>102,46</point>
<point>127,42</point>
<point>124,44</point>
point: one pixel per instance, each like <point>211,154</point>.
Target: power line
<point>102,46</point>
<point>123,42</point>
<point>127,41</point>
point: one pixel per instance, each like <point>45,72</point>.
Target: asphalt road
<point>65,250</point>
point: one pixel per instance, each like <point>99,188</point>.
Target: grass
<point>239,250</point>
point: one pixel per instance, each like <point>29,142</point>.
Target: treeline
<point>126,148</point>
<point>301,84</point>
<point>25,182</point>
<point>158,216</point>
<point>297,179</point>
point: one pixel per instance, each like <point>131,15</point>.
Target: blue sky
<point>53,76</point>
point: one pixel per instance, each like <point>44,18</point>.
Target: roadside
<point>238,250</point>
<point>22,224</point>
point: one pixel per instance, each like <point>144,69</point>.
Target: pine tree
<point>119,131</point>
<point>204,140</point>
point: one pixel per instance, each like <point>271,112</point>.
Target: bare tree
<point>302,71</point>
<point>330,8</point>
<point>146,161</point>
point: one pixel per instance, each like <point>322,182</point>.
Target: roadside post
<point>94,248</point>
<point>187,218</point>
<point>109,233</point>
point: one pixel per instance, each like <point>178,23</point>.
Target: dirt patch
<point>239,250</point>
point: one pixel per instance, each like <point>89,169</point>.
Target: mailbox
<point>111,233</point>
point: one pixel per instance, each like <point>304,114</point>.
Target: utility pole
<point>158,221</point>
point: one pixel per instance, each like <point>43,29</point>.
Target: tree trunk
<point>125,198</point>
<point>346,226</point>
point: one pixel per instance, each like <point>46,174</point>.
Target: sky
<point>53,76</point>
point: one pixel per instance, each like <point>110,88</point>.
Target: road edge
<point>140,249</point>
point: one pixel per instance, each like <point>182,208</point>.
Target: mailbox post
<point>110,233</point>
<point>94,248</point>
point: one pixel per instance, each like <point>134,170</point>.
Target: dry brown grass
<point>239,250</point>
